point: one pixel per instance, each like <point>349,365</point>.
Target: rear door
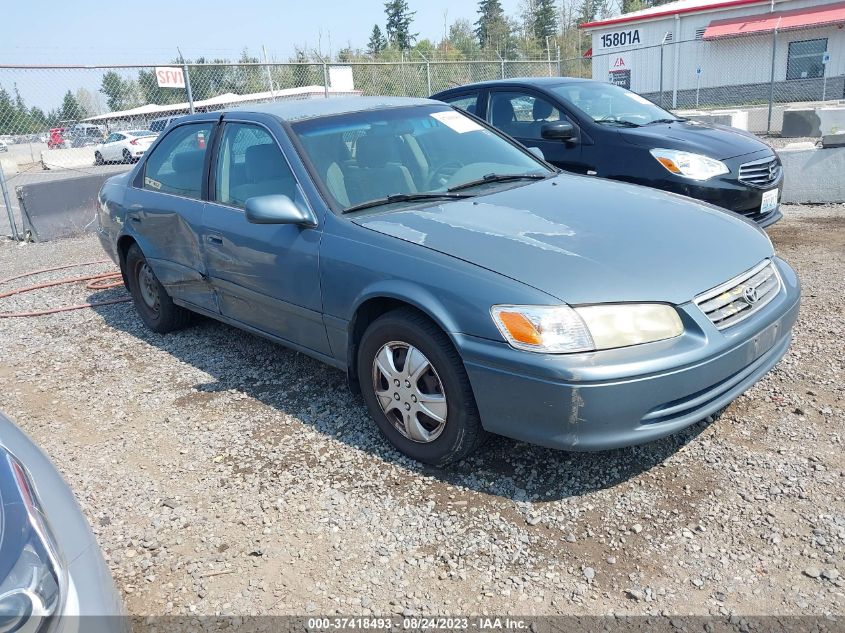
<point>521,113</point>
<point>165,208</point>
<point>265,275</point>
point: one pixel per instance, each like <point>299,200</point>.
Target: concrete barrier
<point>72,158</point>
<point>733,118</point>
<point>813,175</point>
<point>813,121</point>
<point>9,165</point>
<point>60,208</point>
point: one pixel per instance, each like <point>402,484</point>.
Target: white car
<point>124,147</point>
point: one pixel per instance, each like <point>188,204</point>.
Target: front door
<point>522,114</point>
<point>265,275</point>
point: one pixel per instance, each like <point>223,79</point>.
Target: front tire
<point>98,158</point>
<point>417,390</point>
<point>154,305</point>
<point>127,156</point>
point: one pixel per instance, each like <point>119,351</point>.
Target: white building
<point>725,52</point>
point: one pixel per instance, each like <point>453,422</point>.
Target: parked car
<point>3,146</point>
<point>84,135</point>
<point>51,569</point>
<point>596,128</point>
<point>123,146</point>
<point>161,124</point>
<point>464,285</point>
<point>56,139</point>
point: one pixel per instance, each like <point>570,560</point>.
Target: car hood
<point>717,141</point>
<point>587,240</point>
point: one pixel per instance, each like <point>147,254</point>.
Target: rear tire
<point>400,400</point>
<point>154,305</point>
<point>127,156</point>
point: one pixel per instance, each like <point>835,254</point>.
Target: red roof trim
<point>805,17</point>
<point>662,14</point>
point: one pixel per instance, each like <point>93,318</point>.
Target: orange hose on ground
<point>101,281</point>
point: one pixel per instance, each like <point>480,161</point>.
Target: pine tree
<point>71,109</point>
<point>377,42</point>
<point>398,27</point>
<point>545,19</point>
<point>491,17</point>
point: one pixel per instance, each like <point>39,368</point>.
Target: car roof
<point>541,82</point>
<point>318,107</point>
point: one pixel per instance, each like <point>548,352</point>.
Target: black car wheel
<point>154,305</point>
<point>417,390</point>
<point>127,156</point>
<point>98,158</point>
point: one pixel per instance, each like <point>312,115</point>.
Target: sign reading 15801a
<point>620,38</point>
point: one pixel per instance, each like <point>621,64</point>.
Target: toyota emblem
<point>749,293</point>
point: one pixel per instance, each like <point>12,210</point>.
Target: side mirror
<point>537,152</point>
<point>558,131</point>
<point>276,209</point>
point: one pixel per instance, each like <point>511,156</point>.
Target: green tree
<point>463,38</point>
<point>491,28</point>
<point>545,20</point>
<point>377,41</point>
<point>398,27</point>
<point>119,92</point>
<point>8,115</point>
<point>71,109</point>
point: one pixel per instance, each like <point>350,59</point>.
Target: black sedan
<point>599,129</point>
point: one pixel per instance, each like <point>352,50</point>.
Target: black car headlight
<point>32,576</point>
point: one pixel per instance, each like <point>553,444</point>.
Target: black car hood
<point>717,141</point>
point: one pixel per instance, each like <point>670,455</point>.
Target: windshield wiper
<point>617,121</point>
<point>498,178</point>
<point>405,197</point>
<point>665,121</point>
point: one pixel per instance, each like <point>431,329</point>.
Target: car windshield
<point>410,154</point>
<point>612,105</point>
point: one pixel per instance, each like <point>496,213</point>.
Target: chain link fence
<point>52,117</point>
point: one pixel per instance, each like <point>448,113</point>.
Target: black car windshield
<point>397,155</point>
<point>612,105</point>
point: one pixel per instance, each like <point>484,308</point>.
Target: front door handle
<point>215,239</point>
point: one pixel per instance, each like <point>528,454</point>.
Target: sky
<point>88,32</point>
<point>48,32</point>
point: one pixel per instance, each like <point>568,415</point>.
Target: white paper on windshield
<point>638,98</point>
<point>457,121</point>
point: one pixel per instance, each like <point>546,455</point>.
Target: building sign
<point>170,77</point>
<point>620,38</point>
<point>620,71</point>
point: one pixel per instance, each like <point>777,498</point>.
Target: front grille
<point>760,173</point>
<point>737,299</point>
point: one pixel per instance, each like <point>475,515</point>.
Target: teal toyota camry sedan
<point>464,284</point>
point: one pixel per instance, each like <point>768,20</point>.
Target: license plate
<point>765,340</point>
<point>770,201</point>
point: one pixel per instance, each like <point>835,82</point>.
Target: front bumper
<point>615,398</point>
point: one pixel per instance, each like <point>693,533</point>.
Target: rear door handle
<point>215,239</point>
<point>134,217</point>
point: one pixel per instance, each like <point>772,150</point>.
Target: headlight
<point>33,578</point>
<point>562,329</point>
<point>689,165</point>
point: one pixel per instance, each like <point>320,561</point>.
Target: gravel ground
<point>225,475</point>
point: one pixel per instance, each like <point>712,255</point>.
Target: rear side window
<point>468,102</point>
<point>521,115</point>
<point>176,164</point>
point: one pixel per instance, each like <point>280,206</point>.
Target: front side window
<point>611,105</point>
<point>176,164</point>
<point>250,164</point>
<point>413,151</point>
<point>520,114</point>
<point>805,59</point>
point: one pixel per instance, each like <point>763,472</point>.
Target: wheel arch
<point>379,301</point>
<point>124,243</point>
